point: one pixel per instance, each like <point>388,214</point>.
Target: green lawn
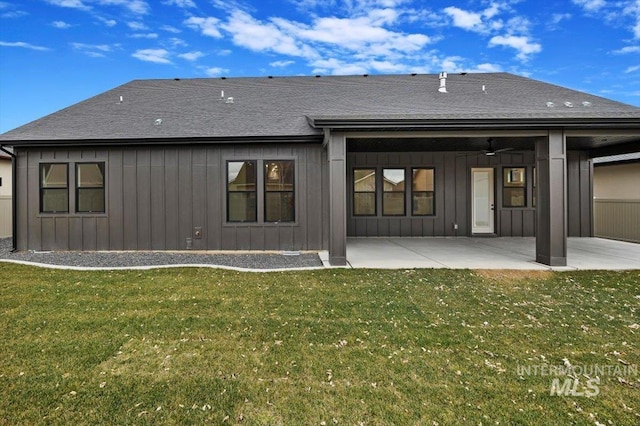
<point>190,346</point>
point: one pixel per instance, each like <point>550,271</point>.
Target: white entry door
<point>482,216</point>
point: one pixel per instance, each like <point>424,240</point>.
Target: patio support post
<point>337,154</point>
<point>551,215</point>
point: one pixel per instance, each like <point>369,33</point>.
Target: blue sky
<point>54,53</point>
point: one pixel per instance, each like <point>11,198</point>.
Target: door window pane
<point>393,192</point>
<point>54,191</point>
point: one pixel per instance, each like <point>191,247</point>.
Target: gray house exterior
<point>301,163</point>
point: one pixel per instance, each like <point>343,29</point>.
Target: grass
<point>190,346</point>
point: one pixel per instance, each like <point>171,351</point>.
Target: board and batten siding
<point>156,197</point>
<point>453,194</point>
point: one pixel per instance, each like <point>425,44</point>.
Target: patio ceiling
<point>598,143</point>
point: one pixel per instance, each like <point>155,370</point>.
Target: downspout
<point>14,193</point>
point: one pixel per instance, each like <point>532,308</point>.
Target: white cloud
<point>486,67</point>
<point>590,5</point>
<point>108,22</point>
<point>92,50</point>
<point>476,21</point>
<point>23,45</point>
<point>281,64</point>
<point>337,67</point>
<point>170,29</point>
<point>180,3</point>
<point>60,25</point>
<point>208,26</point>
<point>11,11</point>
<point>632,69</point>
<point>14,14</point>
<point>150,36</point>
<point>137,26</point>
<point>191,56</point>
<point>73,4</point>
<point>518,25</point>
<point>627,49</point>
<point>620,13</point>
<point>387,66</point>
<point>257,36</point>
<point>84,46</point>
<point>633,10</point>
<point>464,19</point>
<point>519,43</point>
<point>556,18</point>
<point>363,36</point>
<point>366,40</point>
<point>215,71</point>
<point>139,7</point>
<point>158,56</point>
<point>175,42</point>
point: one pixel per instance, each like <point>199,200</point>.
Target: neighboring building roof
<point>298,106</point>
<point>622,158</point>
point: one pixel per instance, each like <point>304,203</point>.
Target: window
<point>241,191</point>
<point>54,191</point>
<point>535,182</point>
<point>90,187</point>
<point>514,192</point>
<point>279,200</point>
<point>364,192</point>
<point>422,191</point>
<point>393,192</point>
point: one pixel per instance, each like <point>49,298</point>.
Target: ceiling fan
<point>490,151</point>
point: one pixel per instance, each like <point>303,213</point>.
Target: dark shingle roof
<point>282,106</point>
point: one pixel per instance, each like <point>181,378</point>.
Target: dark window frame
<point>534,183</point>
<point>103,169</point>
<point>255,190</point>
<point>433,193</point>
<point>44,189</point>
<point>374,192</point>
<point>292,191</point>
<point>509,187</point>
<point>403,192</point>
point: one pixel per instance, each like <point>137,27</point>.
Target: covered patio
<point>486,253</point>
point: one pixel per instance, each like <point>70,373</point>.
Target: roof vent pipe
<point>443,82</point>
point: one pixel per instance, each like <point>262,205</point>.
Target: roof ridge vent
<point>443,82</point>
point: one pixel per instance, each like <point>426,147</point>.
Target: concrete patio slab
<point>486,253</point>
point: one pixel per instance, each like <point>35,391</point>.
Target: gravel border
<point>136,259</point>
